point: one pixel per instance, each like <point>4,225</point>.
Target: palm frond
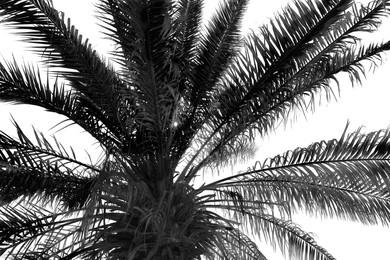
<point>239,87</point>
<point>290,238</point>
<point>345,178</point>
<point>187,18</point>
<point>219,43</point>
<point>43,169</point>
<point>187,21</point>
<point>238,246</point>
<point>254,219</point>
<point>145,33</point>
<point>24,85</point>
<point>28,231</point>
<point>61,45</point>
<point>350,61</point>
<point>184,98</point>
<point>124,220</point>
<point>252,103</point>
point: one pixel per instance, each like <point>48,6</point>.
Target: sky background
<point>366,106</point>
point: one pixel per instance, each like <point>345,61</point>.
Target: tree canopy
<point>175,100</point>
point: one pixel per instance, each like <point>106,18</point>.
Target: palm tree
<point>177,101</point>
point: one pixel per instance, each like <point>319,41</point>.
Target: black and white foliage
<point>180,99</point>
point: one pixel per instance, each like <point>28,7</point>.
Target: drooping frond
<point>290,238</point>
<point>346,178</point>
<point>24,85</point>
<point>31,232</point>
<point>236,245</point>
<point>251,213</point>
<point>42,170</point>
<point>60,44</point>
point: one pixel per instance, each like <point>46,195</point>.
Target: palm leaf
<point>29,231</point>
<point>42,170</point>
<point>183,98</point>
<point>219,43</point>
<point>238,246</point>
<point>24,85</point>
<point>61,45</point>
<point>345,178</point>
<point>292,240</point>
<point>239,87</point>
<point>268,101</point>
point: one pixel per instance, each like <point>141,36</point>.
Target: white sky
<point>368,106</point>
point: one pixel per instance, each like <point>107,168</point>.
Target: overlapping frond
<point>254,219</point>
<point>346,178</point>
<point>218,45</point>
<point>279,77</point>
<point>151,57</point>
<point>36,170</point>
<point>30,232</point>
<point>194,95</point>
<point>61,45</point>
<point>258,60</point>
<point>126,220</point>
<point>245,208</point>
<point>24,85</point>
